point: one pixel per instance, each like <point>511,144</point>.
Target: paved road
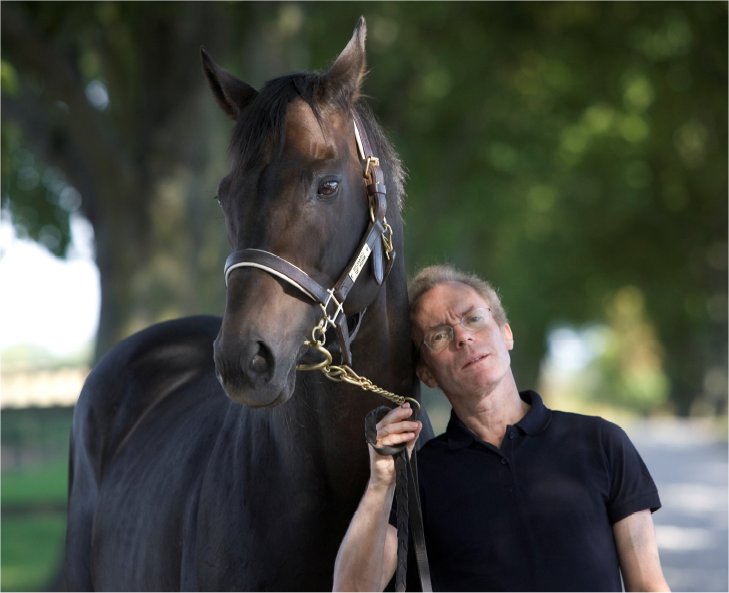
<point>688,461</point>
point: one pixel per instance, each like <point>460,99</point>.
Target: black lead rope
<point>408,503</point>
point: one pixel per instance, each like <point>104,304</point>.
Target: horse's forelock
<point>261,132</point>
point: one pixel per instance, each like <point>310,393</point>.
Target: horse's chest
<point>274,524</point>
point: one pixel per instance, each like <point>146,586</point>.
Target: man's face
<point>474,362</point>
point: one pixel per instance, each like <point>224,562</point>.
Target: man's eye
<point>328,188</point>
<point>440,336</point>
<point>475,319</point>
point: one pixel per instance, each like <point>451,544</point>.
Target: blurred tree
<point>118,129</point>
<point>629,365</point>
<point>564,150</point>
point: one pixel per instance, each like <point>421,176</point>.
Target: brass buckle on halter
<point>370,164</point>
<point>387,240</point>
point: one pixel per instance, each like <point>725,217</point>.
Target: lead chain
<point>345,373</point>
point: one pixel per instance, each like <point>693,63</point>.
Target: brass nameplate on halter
<point>360,262</point>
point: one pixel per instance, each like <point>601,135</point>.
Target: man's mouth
<point>474,360</point>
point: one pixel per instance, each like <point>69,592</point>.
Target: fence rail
<point>22,388</point>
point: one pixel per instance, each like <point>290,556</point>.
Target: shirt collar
<point>535,421</point>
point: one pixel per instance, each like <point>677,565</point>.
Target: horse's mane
<point>261,131</point>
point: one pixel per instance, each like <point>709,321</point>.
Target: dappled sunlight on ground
<point>688,460</point>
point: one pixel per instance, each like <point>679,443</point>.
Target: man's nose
<point>461,336</point>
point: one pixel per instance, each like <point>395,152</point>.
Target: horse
<point>214,453</point>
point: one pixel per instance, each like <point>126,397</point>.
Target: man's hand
<point>367,557</point>
<point>394,429</point>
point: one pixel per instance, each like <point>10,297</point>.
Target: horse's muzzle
<point>249,374</point>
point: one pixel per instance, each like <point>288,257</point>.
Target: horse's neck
<point>382,351</point>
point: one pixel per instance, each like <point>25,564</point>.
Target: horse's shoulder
<point>139,373</point>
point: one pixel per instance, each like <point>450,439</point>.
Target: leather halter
<point>377,240</point>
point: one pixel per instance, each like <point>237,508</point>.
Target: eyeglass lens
<point>438,339</point>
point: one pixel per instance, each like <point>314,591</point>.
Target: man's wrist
<point>381,487</point>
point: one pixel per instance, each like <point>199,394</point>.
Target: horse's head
<point>295,193</point>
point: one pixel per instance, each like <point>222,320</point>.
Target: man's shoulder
<point>578,420</point>
<point>436,442</point>
<point>606,431</point>
<point>434,448</point>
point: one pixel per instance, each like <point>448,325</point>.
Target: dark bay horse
<point>201,459</point>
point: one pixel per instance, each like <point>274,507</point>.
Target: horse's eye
<point>328,187</point>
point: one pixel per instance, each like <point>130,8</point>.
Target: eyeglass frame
<point>452,329</point>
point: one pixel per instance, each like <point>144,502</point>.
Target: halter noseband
<point>377,239</point>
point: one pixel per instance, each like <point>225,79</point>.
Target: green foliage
<point>568,150</point>
<point>620,366</point>
<point>35,195</point>
<point>564,150</point>
<point>31,551</point>
<point>41,485</point>
<point>33,495</point>
<point>34,435</point>
<point>631,361</point>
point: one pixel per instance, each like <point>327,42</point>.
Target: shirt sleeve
<point>632,488</point>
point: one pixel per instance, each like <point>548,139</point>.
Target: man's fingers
<point>395,415</point>
<point>397,428</point>
<point>397,433</point>
<point>397,438</point>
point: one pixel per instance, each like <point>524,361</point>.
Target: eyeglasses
<point>438,338</point>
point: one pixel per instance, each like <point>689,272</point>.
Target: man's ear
<point>508,336</point>
<point>424,374</point>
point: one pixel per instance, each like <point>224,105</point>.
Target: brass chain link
<point>346,374</point>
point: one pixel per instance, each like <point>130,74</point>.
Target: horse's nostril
<point>258,364</point>
<point>256,361</point>
<point>241,367</point>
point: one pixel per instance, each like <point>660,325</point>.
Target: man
<point>515,497</point>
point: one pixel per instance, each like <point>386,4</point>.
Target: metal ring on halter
<point>316,366</point>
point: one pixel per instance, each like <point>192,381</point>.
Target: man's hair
<point>432,276</point>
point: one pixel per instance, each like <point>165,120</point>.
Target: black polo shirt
<point>535,514</point>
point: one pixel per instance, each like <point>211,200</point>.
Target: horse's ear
<point>231,93</point>
<point>344,77</point>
